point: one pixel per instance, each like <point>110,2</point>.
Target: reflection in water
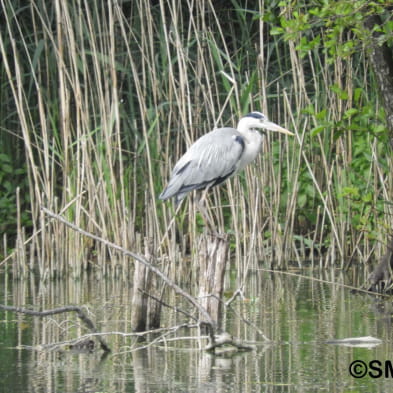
<point>296,313</point>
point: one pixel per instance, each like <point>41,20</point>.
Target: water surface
<point>296,313</point>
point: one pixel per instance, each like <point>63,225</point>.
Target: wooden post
<point>145,310</point>
<point>139,298</point>
<point>213,255</point>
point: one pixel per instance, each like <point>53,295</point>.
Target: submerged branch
<point>227,340</point>
<point>81,314</point>
<point>174,308</point>
<point>164,332</point>
<point>336,284</point>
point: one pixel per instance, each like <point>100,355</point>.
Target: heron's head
<point>259,120</point>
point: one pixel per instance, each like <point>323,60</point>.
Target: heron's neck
<point>253,142</point>
<point>243,127</point>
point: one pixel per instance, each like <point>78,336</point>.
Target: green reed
<point>104,98</point>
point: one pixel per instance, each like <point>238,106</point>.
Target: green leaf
<point>276,30</point>
<point>342,94</point>
<point>350,112</point>
<point>317,130</point>
<point>302,200</point>
<point>350,192</point>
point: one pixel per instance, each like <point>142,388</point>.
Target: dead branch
<point>233,310</point>
<point>208,321</point>
<point>225,339</point>
<point>174,308</point>
<point>81,314</point>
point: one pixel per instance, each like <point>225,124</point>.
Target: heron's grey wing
<point>209,161</point>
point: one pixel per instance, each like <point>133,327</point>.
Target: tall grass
<point>107,96</point>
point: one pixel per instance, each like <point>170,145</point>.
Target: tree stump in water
<point>145,310</point>
<point>380,279</point>
<point>213,255</point>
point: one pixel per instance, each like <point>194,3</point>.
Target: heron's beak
<point>269,125</point>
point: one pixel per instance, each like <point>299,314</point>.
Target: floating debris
<point>359,342</point>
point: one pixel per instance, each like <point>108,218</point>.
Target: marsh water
<point>298,314</point>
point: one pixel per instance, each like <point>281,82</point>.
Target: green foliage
<point>352,140</point>
<point>357,199</point>
<point>322,25</point>
<point>10,179</point>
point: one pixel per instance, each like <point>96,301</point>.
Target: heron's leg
<point>177,208</point>
<point>206,216</point>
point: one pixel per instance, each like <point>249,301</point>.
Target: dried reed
<point>107,96</point>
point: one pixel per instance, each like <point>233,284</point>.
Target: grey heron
<point>218,155</point>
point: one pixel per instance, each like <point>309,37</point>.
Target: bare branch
<point>174,308</point>
<point>81,314</point>
<point>226,339</point>
<point>208,320</point>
